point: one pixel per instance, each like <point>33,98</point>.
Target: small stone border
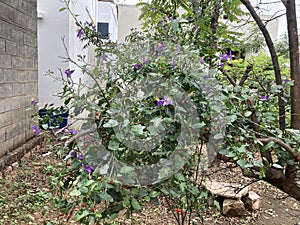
<point>17,154</point>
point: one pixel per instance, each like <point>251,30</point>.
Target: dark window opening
<point>103,30</point>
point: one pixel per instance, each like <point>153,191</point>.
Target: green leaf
<point>62,9</point>
<point>135,204</point>
<point>78,217</point>
<point>242,163</point>
<point>248,113</point>
<point>106,197</point>
<point>198,125</point>
<point>217,204</point>
<point>175,25</point>
<point>110,123</point>
<point>113,145</point>
<point>126,169</point>
<point>267,146</point>
<point>275,165</point>
<point>153,194</point>
<point>126,201</point>
<point>75,192</point>
<point>137,129</point>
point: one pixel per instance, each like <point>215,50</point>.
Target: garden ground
<point>24,191</point>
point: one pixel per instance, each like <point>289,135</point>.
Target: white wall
<point>107,13</point>
<point>128,18</point>
<point>52,26</point>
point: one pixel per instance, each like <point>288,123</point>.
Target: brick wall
<point>18,71</point>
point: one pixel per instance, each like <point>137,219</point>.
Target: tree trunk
<point>284,181</point>
<point>271,47</point>
<point>294,62</point>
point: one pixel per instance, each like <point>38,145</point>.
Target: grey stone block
<point>5,30</point>
<point>2,45</point>
<point>5,61</point>
<point>11,47</point>
<point>10,76</point>
<point>7,12</point>
<point>6,90</point>
<point>17,62</point>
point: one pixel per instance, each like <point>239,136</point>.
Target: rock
<point>233,207</point>
<point>226,190</point>
<point>15,165</point>
<point>252,201</point>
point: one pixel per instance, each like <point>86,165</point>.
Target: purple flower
<point>167,101</point>
<point>173,63</point>
<point>72,131</point>
<point>80,156</point>
<point>138,66</point>
<point>105,57</point>
<point>36,130</point>
<point>168,17</point>
<point>33,101</point>
<point>205,77</point>
<point>87,168</point>
<point>153,8</point>
<point>72,154</point>
<point>160,102</point>
<point>80,33</point>
<point>177,49</point>
<point>223,57</point>
<point>264,97</point>
<point>230,55</point>
<point>145,60</point>
<point>201,60</point>
<point>286,81</point>
<point>281,88</point>
<point>91,24</point>
<point>68,72</point>
<point>159,47</point>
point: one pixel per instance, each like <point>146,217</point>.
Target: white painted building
<point>53,26</point>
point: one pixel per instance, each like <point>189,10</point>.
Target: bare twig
<point>80,134</point>
<point>281,143</point>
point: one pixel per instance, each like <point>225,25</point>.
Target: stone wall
<point>18,71</point>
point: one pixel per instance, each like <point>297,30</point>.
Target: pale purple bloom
<point>264,97</point>
<point>153,8</point>
<point>80,33</point>
<point>72,154</point>
<point>205,77</point>
<point>91,24</point>
<point>105,57</point>
<point>36,130</point>
<point>145,60</point>
<point>159,47</point>
<point>201,60</point>
<point>33,101</point>
<point>68,72</point>
<point>138,66</point>
<point>80,156</point>
<point>281,88</point>
<point>160,102</point>
<point>72,131</point>
<point>167,101</point>
<point>286,80</point>
<point>177,49</point>
<point>173,63</point>
<point>87,168</point>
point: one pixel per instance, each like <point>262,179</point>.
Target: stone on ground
<point>226,190</point>
<point>233,207</point>
<point>252,201</point>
